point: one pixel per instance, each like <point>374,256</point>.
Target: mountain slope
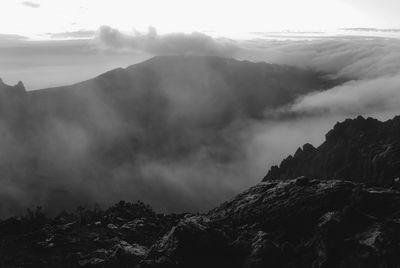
<point>209,89</point>
<point>361,150</point>
<point>142,131</point>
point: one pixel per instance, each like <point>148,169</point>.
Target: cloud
<point>373,97</point>
<point>74,34</point>
<point>354,58</point>
<point>371,30</point>
<point>371,65</point>
<point>195,43</point>
<point>30,4</point>
<point>12,37</point>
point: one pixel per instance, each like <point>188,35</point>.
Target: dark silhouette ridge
<point>361,150</point>
<point>19,87</point>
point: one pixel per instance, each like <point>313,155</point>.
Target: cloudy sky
<point>48,43</point>
<point>36,17</point>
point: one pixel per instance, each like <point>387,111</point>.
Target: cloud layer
<point>372,66</point>
<point>75,34</point>
<point>195,43</point>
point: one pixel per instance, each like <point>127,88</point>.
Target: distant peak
<point>20,85</point>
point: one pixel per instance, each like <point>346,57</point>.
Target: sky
<point>37,17</point>
<point>47,43</point>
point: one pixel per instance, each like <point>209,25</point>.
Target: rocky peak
<point>360,149</point>
<point>308,147</point>
<point>352,128</point>
<point>19,87</point>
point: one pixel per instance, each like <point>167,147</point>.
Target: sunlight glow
<point>222,16</point>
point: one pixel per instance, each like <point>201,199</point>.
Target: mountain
<point>292,223</point>
<point>12,102</point>
<point>203,81</point>
<point>361,150</point>
<point>170,94</point>
<point>139,131</point>
<point>19,88</point>
<point>302,222</point>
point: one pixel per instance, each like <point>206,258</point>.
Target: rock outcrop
<point>292,223</point>
<point>19,87</point>
<point>360,150</point>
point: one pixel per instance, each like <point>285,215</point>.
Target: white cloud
<point>195,43</point>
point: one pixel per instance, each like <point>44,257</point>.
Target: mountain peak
<point>353,127</point>
<point>361,149</point>
<point>18,87</point>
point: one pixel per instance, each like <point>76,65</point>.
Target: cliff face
<point>293,223</point>
<point>360,150</point>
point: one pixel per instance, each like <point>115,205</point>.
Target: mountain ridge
<point>361,149</point>
<point>133,124</point>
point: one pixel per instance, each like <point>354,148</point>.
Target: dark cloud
<point>75,34</point>
<point>30,4</point>
<point>168,44</point>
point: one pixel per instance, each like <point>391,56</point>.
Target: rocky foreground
<point>292,223</point>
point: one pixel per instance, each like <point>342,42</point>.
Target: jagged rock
<point>293,223</point>
<point>282,224</point>
<point>7,89</point>
<point>360,150</point>
<point>191,243</point>
<point>91,262</point>
<point>112,226</point>
<point>66,227</point>
<point>302,181</point>
<point>264,252</point>
<point>128,249</point>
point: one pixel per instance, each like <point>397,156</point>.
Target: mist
<point>187,135</point>
<point>371,66</point>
